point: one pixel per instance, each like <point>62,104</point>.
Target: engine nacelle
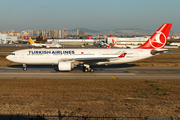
<point>65,66</point>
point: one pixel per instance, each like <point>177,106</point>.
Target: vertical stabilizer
<point>90,37</point>
<point>31,41</point>
<point>114,43</point>
<point>158,39</point>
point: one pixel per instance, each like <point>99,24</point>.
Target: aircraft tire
<point>24,68</point>
<point>92,70</point>
<point>85,69</point>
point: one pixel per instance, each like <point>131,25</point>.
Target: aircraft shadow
<point>34,67</point>
<point>21,117</point>
<point>103,67</point>
<point>55,67</point>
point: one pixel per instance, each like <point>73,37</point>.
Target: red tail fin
<point>107,47</point>
<point>26,37</point>
<point>114,43</point>
<point>90,37</point>
<point>158,39</point>
<point>44,37</point>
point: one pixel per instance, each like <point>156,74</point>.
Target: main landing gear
<point>24,67</point>
<point>87,68</point>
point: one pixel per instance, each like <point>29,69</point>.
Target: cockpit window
<point>12,53</point>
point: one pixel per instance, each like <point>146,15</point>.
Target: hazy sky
<point>91,14</point>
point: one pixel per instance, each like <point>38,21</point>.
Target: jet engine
<point>66,66</point>
<point>158,51</point>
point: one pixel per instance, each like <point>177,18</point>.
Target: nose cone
<point>8,57</point>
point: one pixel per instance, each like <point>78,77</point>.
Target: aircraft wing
<point>87,60</point>
<point>95,59</point>
<point>92,60</point>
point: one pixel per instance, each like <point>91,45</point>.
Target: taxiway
<point>101,72</point>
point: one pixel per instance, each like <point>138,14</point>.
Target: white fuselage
<point>132,46</point>
<point>175,43</point>
<point>48,45</point>
<point>36,45</point>
<point>53,56</point>
<point>120,46</point>
<point>71,40</point>
<point>52,45</point>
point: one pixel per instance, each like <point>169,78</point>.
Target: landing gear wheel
<point>24,68</point>
<point>91,70</point>
<point>85,69</point>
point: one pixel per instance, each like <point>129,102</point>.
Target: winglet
<point>122,55</point>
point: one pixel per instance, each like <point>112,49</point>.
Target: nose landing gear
<point>24,67</point>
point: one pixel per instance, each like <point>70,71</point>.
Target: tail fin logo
<point>90,37</point>
<point>158,40</point>
<point>114,43</point>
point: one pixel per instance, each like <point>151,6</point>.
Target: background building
<point>4,38</point>
<point>82,33</point>
<point>78,32</point>
<point>47,33</point>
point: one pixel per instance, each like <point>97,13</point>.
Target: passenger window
<point>12,53</point>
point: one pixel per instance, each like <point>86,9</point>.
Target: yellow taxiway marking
<point>113,77</point>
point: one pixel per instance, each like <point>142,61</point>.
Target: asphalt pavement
<point>100,72</point>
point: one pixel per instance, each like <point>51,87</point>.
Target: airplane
<point>86,41</point>
<point>67,59</point>
<point>52,44</point>
<point>99,43</point>
<point>34,44</point>
<point>175,43</point>
<point>123,46</point>
<point>47,45</point>
<point>118,45</point>
<point>20,40</point>
<point>132,46</point>
<point>89,37</point>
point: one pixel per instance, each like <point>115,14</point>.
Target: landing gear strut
<point>24,67</point>
<point>87,68</point>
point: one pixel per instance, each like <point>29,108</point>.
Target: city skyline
<point>99,15</point>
